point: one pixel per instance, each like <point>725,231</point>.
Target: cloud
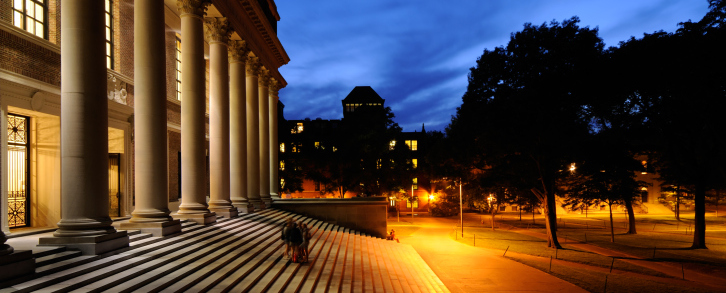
<point>417,54</point>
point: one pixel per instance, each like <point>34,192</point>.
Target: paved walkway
<point>465,268</point>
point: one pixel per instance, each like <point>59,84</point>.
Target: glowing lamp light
<point>431,197</point>
<point>572,167</point>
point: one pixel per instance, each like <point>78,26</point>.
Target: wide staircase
<point>243,254</point>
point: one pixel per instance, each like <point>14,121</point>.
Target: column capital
<point>217,30</point>
<point>274,87</point>
<point>192,7</point>
<point>238,51</point>
<point>253,65</point>
<point>264,77</point>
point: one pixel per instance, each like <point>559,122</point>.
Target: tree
<point>679,81</point>
<point>524,105</point>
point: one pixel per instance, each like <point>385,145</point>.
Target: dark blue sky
<point>417,54</point>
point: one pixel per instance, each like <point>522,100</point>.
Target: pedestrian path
<point>464,268</point>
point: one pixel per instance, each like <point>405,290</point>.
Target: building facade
<point>155,110</point>
<point>305,143</point>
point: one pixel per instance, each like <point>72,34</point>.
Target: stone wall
<point>364,214</point>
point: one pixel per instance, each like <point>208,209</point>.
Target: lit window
<point>335,149</point>
<point>282,183</point>
<point>109,34</point>
<point>31,15</point>
<point>378,164</point>
<point>296,147</point>
<point>415,163</point>
<point>178,69</point>
<point>415,204</point>
<point>317,144</point>
<point>282,165</point>
<point>392,145</point>
<point>282,147</point>
<point>412,145</point>
<point>299,127</point>
<point>414,182</point>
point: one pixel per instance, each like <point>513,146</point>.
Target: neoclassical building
<point>157,110</point>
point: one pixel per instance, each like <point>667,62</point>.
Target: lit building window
<point>282,183</point>
<point>282,147</point>
<point>378,164</point>
<point>31,16</point>
<point>299,127</point>
<point>178,69</point>
<point>392,145</point>
<point>109,34</point>
<point>296,147</point>
<point>414,162</point>
<point>317,144</point>
<point>414,182</point>
<point>412,145</point>
<point>415,204</point>
<point>282,165</point>
<point>335,149</point>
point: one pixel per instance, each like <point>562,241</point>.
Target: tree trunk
<point>548,202</point>
<point>631,216</point>
<point>699,230</point>
<point>612,229</point>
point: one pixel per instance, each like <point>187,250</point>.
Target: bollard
<point>611,265</point>
<point>606,284</point>
<point>550,263</point>
<point>505,251</point>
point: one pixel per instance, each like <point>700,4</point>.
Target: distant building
<point>299,138</point>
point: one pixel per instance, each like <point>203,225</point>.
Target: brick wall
<point>124,35</point>
<point>26,58</point>
<point>54,21</point>
<point>6,11</point>
<point>170,46</point>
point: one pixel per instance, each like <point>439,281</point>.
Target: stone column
<point>194,202</point>
<point>263,83</point>
<point>217,32</point>
<point>253,130</point>
<point>274,143</point>
<point>84,224</point>
<point>238,127</point>
<point>151,213</point>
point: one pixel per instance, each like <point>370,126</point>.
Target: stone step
<point>285,278</point>
<point>54,258</point>
<point>41,251</point>
<point>282,271</point>
<point>317,265</point>
<point>100,264</point>
<point>177,265</point>
<point>243,254</point>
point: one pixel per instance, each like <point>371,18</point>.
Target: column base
<point>267,201</point>
<point>201,218</point>
<point>258,204</point>
<point>230,212</point>
<point>89,245</point>
<point>157,229</point>
<point>16,264</point>
<point>245,208</point>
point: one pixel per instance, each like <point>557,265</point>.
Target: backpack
<point>284,233</point>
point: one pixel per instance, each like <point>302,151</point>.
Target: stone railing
<point>364,214</point>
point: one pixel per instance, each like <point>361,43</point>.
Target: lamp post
<point>411,203</point>
<point>461,209</point>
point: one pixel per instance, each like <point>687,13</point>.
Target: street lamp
<point>461,209</point>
